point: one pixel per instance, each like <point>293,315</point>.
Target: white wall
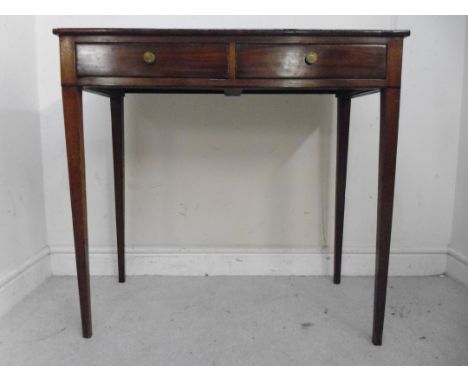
<point>458,264</point>
<point>22,215</point>
<point>258,172</point>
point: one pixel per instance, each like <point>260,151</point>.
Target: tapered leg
<point>344,111</point>
<point>389,111</point>
<point>117,113</point>
<point>73,115</point>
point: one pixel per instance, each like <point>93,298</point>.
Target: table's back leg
<point>73,116</point>
<point>389,111</point>
<point>344,111</point>
<point>117,115</point>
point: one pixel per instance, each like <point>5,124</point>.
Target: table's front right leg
<point>73,116</point>
<point>389,112</point>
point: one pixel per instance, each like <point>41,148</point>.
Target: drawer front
<point>325,61</point>
<point>162,60</point>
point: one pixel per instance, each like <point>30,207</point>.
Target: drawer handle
<point>149,57</point>
<point>311,58</point>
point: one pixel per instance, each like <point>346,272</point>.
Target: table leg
<point>117,114</point>
<point>389,111</point>
<point>73,116</point>
<point>344,111</point>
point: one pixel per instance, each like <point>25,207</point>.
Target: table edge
<point>233,32</point>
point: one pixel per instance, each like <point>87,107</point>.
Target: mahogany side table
<point>347,63</point>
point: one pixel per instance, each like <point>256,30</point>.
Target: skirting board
<point>209,261</point>
<point>205,261</point>
<point>457,266</point>
<point>19,283</point>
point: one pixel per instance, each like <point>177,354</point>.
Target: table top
<point>223,32</point>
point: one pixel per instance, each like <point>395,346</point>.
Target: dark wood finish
<point>344,112</point>
<point>277,85</point>
<point>230,32</point>
<point>117,116</point>
<point>394,58</point>
<point>172,60</point>
<point>73,115</point>
<point>389,111</point>
<point>350,63</point>
<point>108,73</point>
<point>232,60</point>
<point>67,61</point>
<point>333,61</point>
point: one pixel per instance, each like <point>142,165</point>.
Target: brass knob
<point>311,58</point>
<point>149,57</point>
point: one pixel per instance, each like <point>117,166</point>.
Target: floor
<point>239,321</point>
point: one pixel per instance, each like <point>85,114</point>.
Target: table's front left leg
<point>389,112</point>
<point>73,116</point>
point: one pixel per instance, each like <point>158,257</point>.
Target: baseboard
<point>226,261</point>
<point>457,266</point>
<point>244,261</point>
<point>22,281</point>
